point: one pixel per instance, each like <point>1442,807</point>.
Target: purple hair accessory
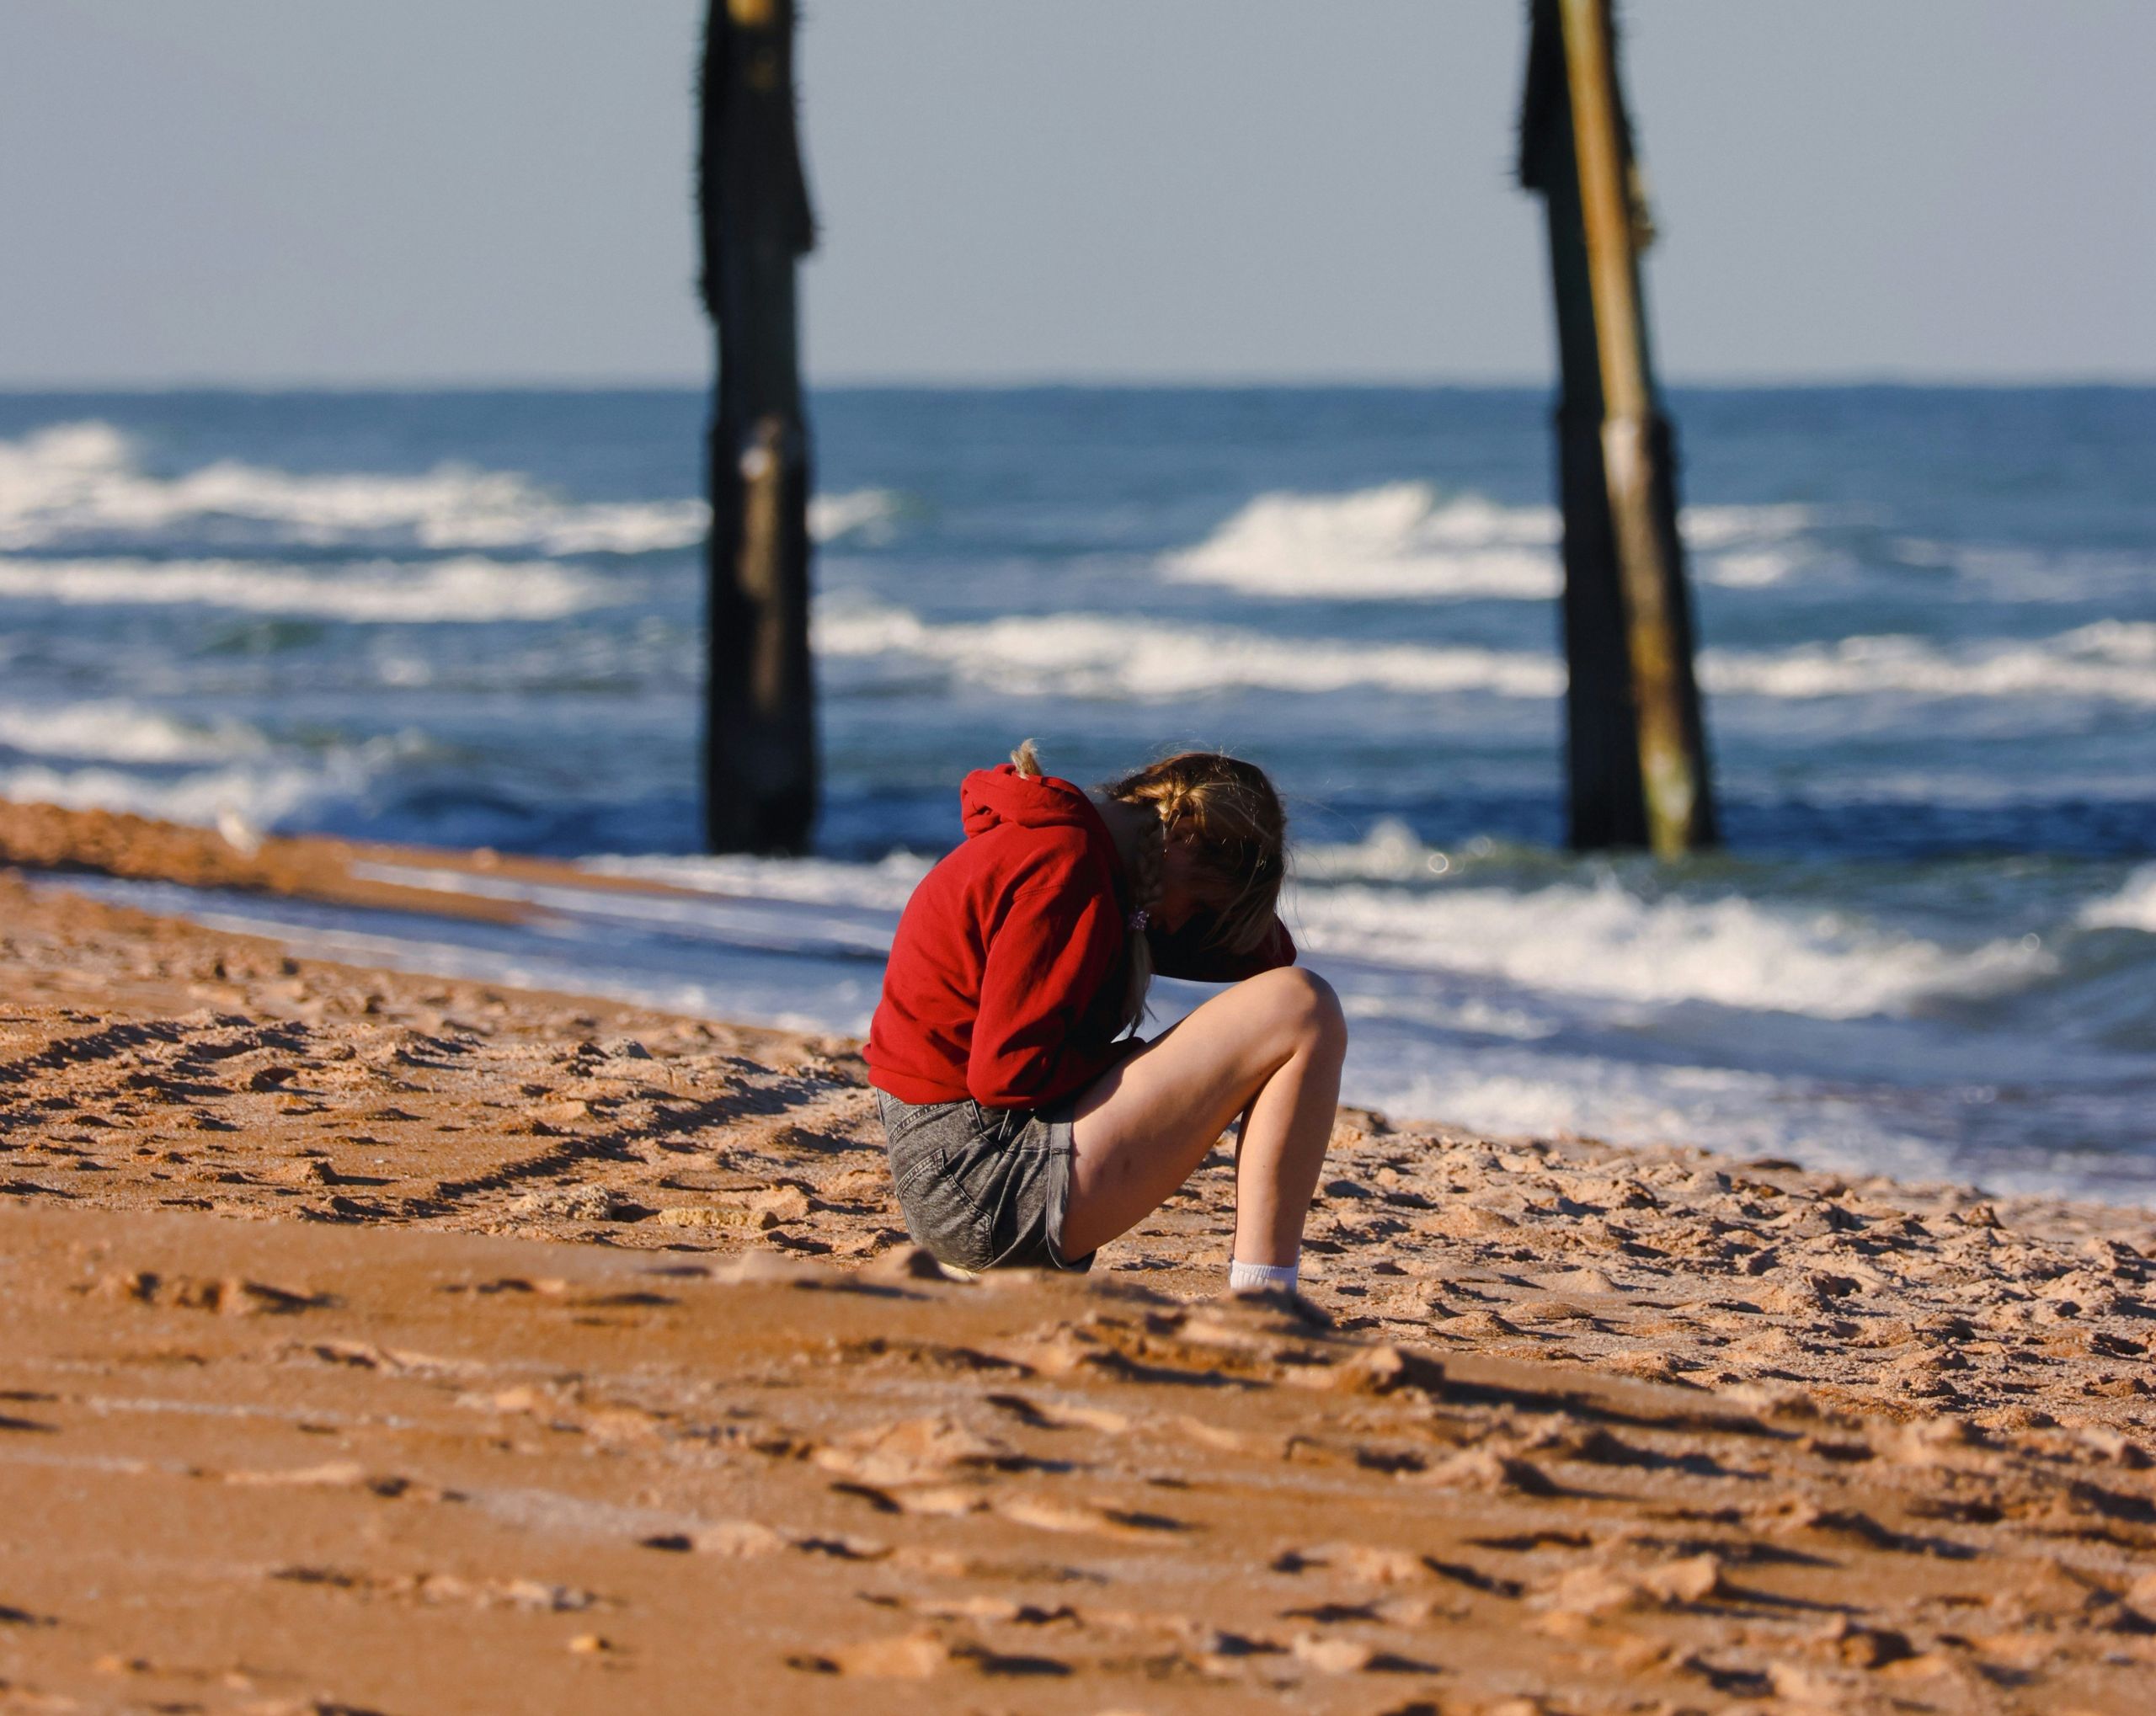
<point>1140,919</point>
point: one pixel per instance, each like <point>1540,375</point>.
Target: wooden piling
<point>1637,750</point>
<point>760,724</point>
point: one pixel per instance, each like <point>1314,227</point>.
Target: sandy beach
<point>384,1343</point>
<point>527,538</point>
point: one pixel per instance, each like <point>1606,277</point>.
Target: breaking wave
<point>123,757</point>
<point>84,478</point>
<point>884,885</point>
<point>465,589</point>
<point>239,795</point>
<point>868,516</point>
<point>1593,938</point>
<point>1602,939</point>
<point>1552,1094</point>
<point>122,733</point>
<point>1407,541</point>
<point>2113,660</point>
<point>2133,907</point>
<point>1100,655</point>
<point>1399,539</point>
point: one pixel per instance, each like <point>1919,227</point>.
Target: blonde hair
<point>1228,813</point>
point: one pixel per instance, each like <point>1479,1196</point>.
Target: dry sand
<point>383,1343</point>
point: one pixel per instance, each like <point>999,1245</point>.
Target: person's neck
<point>1128,825</point>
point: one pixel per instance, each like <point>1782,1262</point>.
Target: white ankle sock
<point>1254,1277</point>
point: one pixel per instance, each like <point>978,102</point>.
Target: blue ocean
<point>1927,620</point>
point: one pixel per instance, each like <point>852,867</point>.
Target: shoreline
<point>442,1302</point>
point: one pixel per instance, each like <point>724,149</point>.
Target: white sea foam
<point>467,589</point>
<point>1102,655</point>
<point>116,732</point>
<point>81,477</point>
<point>2133,907</point>
<point>2058,572</point>
<point>884,885</point>
<point>1399,539</point>
<point>1405,539</point>
<point>862,515</point>
<point>1743,1114</point>
<point>1545,1099</point>
<point>1751,547</point>
<point>1389,852</point>
<point>1472,1015</point>
<point>1716,528</point>
<point>1595,939</point>
<point>1602,939</point>
<point>120,757</point>
<point>258,797</point>
<point>78,477</point>
<point>1751,569</point>
<point>2113,660</point>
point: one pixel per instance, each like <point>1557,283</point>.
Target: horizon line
<point>1874,379</point>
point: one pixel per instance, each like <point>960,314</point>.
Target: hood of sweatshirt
<point>991,798</point>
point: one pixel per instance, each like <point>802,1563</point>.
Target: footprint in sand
<point>917,1656</point>
<point>231,1297</point>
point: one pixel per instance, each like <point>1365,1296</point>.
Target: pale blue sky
<point>428,190</point>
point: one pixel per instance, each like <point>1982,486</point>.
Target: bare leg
<point>1271,1046</point>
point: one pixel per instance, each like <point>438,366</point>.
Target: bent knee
<point>1306,1006</point>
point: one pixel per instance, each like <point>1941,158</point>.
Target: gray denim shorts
<point>983,1188</point>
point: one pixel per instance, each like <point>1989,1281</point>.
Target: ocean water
<point>1927,620</point>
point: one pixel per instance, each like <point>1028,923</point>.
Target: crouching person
<point>1028,1124</point>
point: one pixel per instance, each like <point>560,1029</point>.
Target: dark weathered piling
<point>1636,749</point>
<point>760,728</point>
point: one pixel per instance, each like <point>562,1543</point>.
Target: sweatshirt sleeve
<point>1187,955</point>
<point>1046,961</point>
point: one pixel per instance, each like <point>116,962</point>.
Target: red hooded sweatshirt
<point>1007,977</point>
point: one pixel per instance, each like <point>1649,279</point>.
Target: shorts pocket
<point>1004,1184</point>
<point>941,1217</point>
<point>914,1160</point>
<point>938,1213</point>
<point>902,1120</point>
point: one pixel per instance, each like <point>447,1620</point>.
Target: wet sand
<point>383,1343</point>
